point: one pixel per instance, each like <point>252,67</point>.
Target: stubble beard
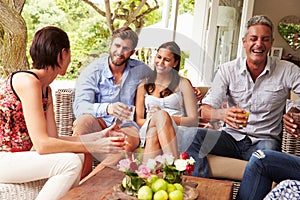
<point>113,61</point>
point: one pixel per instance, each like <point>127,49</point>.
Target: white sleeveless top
<point>174,105</point>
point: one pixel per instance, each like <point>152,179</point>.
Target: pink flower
<point>124,164</point>
<point>133,166</point>
<point>143,171</point>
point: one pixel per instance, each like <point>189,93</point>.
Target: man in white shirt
<point>258,84</point>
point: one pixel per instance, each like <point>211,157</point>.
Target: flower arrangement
<point>138,173</point>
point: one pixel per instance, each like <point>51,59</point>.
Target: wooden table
<point>101,186</point>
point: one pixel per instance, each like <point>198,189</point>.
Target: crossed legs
<point>161,136</point>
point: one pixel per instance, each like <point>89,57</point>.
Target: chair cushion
<point>226,168</point>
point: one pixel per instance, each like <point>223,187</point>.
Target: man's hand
<point>119,110</point>
<point>235,117</point>
<point>290,124</point>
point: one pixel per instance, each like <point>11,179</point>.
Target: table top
<point>101,186</point>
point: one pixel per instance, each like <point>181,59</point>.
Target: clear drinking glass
<point>246,114</point>
<point>131,117</point>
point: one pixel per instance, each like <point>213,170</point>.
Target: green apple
<point>124,182</point>
<point>159,184</point>
<point>179,187</point>
<point>171,188</point>
<point>145,193</point>
<point>176,195</point>
<point>153,178</point>
<point>160,195</point>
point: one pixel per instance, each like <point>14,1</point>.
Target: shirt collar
<point>107,72</point>
<point>243,65</point>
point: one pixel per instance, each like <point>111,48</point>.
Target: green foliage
<point>149,19</point>
<point>86,28</point>
<point>186,6</point>
<point>290,32</point>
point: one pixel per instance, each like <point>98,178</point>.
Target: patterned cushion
<point>285,190</point>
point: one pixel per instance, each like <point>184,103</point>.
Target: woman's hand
<point>152,109</point>
<point>110,140</point>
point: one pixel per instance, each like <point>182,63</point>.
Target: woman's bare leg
<point>161,136</point>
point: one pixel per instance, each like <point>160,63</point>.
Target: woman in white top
<point>165,104</point>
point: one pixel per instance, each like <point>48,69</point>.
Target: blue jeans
<point>208,141</point>
<point>261,172</point>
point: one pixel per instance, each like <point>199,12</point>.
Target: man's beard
<point>118,63</point>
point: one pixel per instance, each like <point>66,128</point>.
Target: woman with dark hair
<point>27,120</point>
<point>165,105</point>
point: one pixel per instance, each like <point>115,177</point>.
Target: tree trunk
<point>13,36</point>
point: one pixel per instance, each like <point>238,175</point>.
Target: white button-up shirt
<point>266,97</point>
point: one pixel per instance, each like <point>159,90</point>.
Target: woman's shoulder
<point>142,83</point>
<point>25,84</point>
<point>140,88</point>
<point>25,79</point>
<point>185,83</point>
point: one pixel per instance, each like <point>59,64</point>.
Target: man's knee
<point>133,143</point>
<point>86,124</point>
<point>268,145</point>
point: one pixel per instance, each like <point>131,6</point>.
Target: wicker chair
<point>64,118</point>
<point>21,191</point>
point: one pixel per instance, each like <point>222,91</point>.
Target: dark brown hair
<point>150,81</point>
<point>126,33</point>
<point>47,44</point>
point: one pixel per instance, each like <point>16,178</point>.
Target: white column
<point>210,45</point>
<point>174,15</point>
<point>166,13</point>
<point>196,59</point>
<point>246,15</point>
